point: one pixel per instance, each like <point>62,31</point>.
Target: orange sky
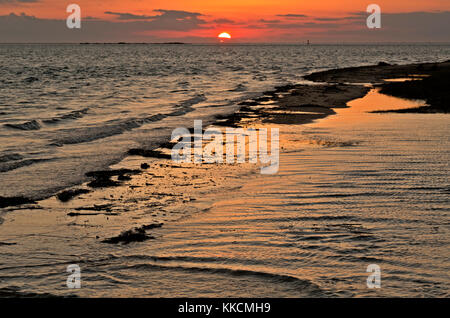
<point>250,20</point>
<point>233,9</point>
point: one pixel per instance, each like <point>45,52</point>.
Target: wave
<point>10,157</point>
<point>239,88</point>
<point>14,292</point>
<point>76,114</point>
<point>143,262</point>
<point>111,267</point>
<point>31,79</point>
<point>192,101</point>
<point>303,284</point>
<point>194,259</point>
<point>8,166</point>
<point>29,125</point>
<point>332,143</point>
<point>340,195</point>
<point>87,134</point>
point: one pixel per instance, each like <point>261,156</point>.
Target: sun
<point>224,35</point>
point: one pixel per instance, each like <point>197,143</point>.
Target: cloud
<point>165,16</point>
<point>166,25</point>
<point>25,28</point>
<point>395,27</point>
<point>129,16</point>
<point>269,21</point>
<point>177,14</point>
<point>291,15</point>
<point>329,19</point>
<point>18,1</point>
<point>303,25</point>
<point>223,21</point>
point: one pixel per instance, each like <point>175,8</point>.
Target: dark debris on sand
<point>97,207</point>
<point>149,153</point>
<point>111,173</point>
<point>67,195</point>
<point>152,226</point>
<point>14,201</point>
<point>168,145</point>
<point>102,179</point>
<point>7,244</point>
<point>137,234</point>
<point>103,183</point>
<point>90,213</point>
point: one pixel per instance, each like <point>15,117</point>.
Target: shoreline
<point>290,104</point>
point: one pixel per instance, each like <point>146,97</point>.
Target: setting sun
<point>224,35</point>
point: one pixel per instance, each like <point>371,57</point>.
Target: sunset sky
<point>200,21</point>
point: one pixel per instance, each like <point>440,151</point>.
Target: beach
<point>351,191</point>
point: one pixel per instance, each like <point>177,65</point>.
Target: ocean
<point>69,109</point>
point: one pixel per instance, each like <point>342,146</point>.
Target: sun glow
<point>224,35</point>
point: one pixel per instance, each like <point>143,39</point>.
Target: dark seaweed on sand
<point>137,234</point>
<point>14,201</point>
<point>68,195</point>
<point>102,179</point>
<point>149,153</point>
